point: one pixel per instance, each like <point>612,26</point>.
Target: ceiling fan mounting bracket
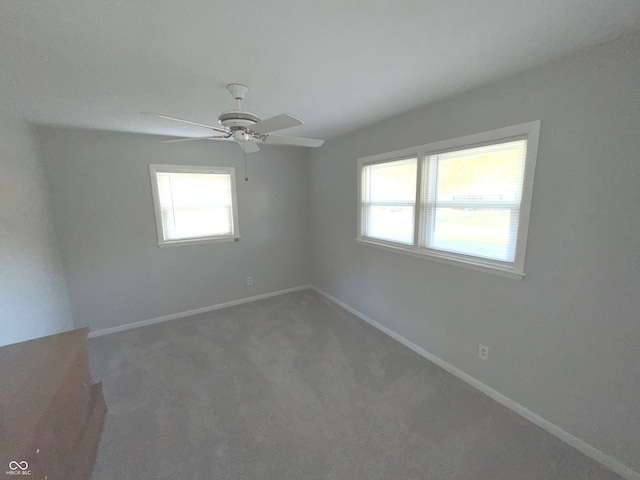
<point>237,90</point>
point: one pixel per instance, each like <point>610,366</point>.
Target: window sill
<point>450,259</point>
<point>198,241</point>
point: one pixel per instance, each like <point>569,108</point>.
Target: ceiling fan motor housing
<point>236,118</point>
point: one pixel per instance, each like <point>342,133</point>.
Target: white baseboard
<point>580,445</point>
<point>173,316</point>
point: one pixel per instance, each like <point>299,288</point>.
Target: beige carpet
<point>295,388</point>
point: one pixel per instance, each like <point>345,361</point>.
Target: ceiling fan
<point>247,128</point>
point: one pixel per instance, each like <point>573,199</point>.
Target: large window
<point>464,200</point>
<point>194,204</point>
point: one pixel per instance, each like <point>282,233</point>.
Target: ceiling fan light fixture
<point>241,136</point>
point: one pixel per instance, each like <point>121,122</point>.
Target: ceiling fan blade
<point>279,122</point>
<point>188,139</point>
<point>249,147</point>
<point>289,140</point>
<point>217,129</point>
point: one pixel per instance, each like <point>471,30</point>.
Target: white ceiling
<point>338,64</point>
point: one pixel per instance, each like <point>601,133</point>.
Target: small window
<point>194,204</point>
<point>473,196</point>
<point>390,200</point>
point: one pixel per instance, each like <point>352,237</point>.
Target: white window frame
<point>154,169</point>
<point>529,131</point>
<point>398,203</point>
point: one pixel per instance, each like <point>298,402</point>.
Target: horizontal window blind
<point>388,200</point>
<point>471,200</point>
<point>195,205</point>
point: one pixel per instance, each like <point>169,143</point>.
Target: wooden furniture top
<point>29,374</point>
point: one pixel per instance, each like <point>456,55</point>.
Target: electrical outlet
<point>483,352</point>
<point>249,281</point>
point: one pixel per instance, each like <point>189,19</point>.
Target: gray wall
<point>101,198</point>
<point>33,294</point>
<point>564,342</point>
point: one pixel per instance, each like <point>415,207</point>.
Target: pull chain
<point>246,176</point>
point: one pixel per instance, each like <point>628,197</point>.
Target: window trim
<point>529,131</point>
<point>160,168</point>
